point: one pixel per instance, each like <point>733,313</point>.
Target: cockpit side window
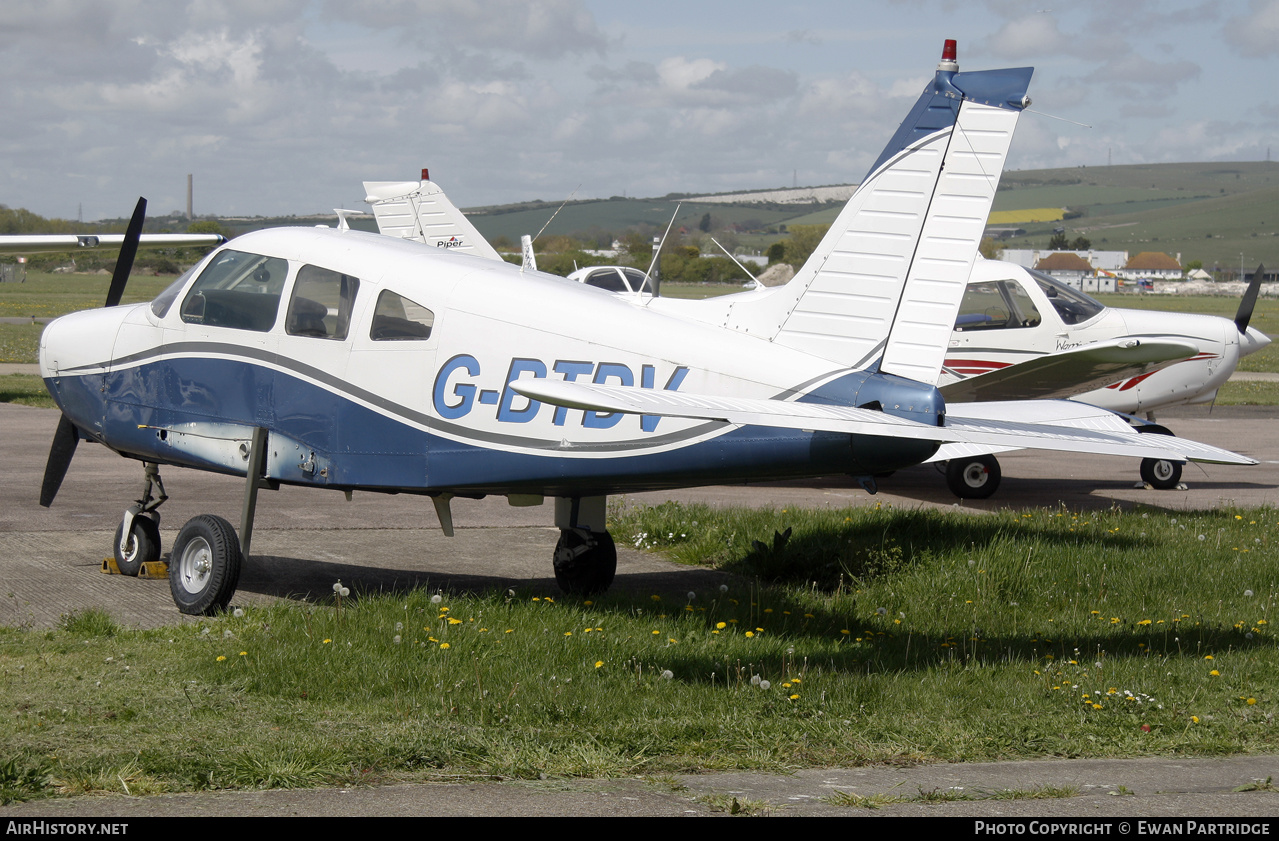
<point>607,279</point>
<point>397,319</point>
<point>238,290</point>
<point>321,304</point>
<point>1073,306</point>
<point>996,305</point>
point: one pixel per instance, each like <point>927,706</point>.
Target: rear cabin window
<point>321,304</point>
<point>397,319</point>
<point>238,290</point>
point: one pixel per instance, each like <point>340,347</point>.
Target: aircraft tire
<point>1160,474</point>
<point>974,477</point>
<point>144,545</point>
<point>204,567</point>
<point>587,573</point>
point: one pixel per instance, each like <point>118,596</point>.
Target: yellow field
<point>1033,214</point>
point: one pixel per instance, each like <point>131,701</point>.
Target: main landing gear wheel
<point>585,562</point>
<point>1160,474</point>
<point>143,546</point>
<point>974,477</point>
<point>204,568</point>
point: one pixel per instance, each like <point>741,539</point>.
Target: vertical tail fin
<point>419,210</point>
<point>888,277</point>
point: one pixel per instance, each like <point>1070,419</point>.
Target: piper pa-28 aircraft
<point>339,359</point>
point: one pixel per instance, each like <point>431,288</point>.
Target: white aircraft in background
<point>345,360</point>
<point>1021,333</point>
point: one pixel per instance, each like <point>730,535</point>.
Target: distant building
<point>1107,261</point>
<point>1152,265</point>
<point>1073,270</point>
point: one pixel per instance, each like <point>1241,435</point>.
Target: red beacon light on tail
<point>949,56</point>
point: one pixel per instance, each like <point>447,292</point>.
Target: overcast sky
<point>285,106</point>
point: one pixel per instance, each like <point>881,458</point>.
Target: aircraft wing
<point>32,244</point>
<point>1033,429</point>
<point>1070,372</point>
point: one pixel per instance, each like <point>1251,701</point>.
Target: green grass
<point>25,389</point>
<point>49,295</point>
<point>868,636</point>
<point>1248,394</point>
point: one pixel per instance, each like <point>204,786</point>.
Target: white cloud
<point>1255,33</point>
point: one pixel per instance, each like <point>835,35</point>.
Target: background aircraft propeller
<point>1249,301</point>
<point>66,437</point>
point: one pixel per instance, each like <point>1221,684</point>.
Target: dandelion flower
<point>1215,673</point>
<point>436,599</point>
<point>1248,593</point>
<point>755,680</point>
<point>396,639</point>
<point>337,588</point>
<point>763,684</point>
<point>1195,719</point>
<point>1252,701</point>
<point>881,611</point>
<point>238,613</point>
<point>444,645</point>
<point>721,625</point>
<point>599,664</point>
<point>327,641</point>
<point>691,595</point>
<point>244,654</point>
<point>221,658</point>
<point>723,588</point>
<point>667,674</point>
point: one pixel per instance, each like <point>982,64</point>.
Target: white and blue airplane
<point>338,359</point>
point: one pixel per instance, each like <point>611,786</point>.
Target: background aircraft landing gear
<point>1160,474</point>
<point>973,477</point>
<point>585,562</point>
<point>204,568</point>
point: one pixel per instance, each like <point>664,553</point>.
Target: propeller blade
<point>65,439</point>
<point>128,251</point>
<point>1249,301</point>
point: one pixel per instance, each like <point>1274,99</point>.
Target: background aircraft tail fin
<point>888,277</point>
<point>419,211</point>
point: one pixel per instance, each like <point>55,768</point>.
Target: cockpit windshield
<point>1073,306</point>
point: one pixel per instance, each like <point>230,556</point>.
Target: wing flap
<point>1005,434</point>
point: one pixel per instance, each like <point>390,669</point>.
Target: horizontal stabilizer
<point>846,419</point>
<point>1070,372</point>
